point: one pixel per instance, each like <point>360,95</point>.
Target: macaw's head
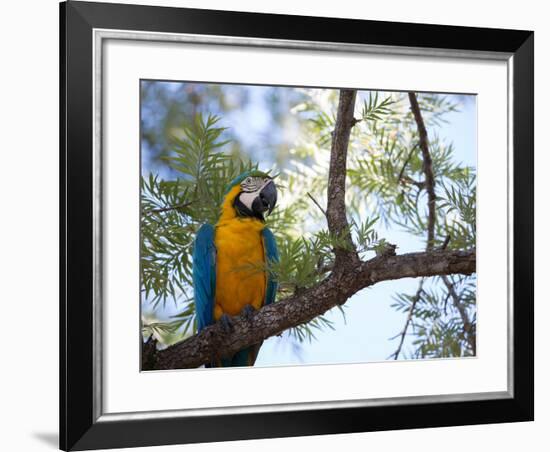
<point>252,194</point>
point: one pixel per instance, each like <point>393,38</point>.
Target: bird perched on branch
<point>229,260</point>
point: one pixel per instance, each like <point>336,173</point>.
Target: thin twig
<point>403,333</point>
<point>406,163</point>
<point>467,326</point>
<point>168,208</point>
<point>445,243</point>
<point>317,204</point>
<point>417,184</point>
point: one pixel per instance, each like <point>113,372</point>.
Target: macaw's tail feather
<point>244,358</point>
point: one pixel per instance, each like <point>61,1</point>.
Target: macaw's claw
<point>248,312</point>
<point>227,323</point>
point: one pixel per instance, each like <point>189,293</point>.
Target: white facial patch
<point>247,198</point>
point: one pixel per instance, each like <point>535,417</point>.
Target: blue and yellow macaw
<point>226,259</point>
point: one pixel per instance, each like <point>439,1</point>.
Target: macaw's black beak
<point>266,200</point>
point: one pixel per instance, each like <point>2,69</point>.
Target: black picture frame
<point>79,427</point>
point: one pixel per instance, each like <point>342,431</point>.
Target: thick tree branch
<point>336,193</point>
<point>426,166</point>
<point>301,308</point>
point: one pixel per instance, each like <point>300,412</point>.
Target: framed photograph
<point>282,225</point>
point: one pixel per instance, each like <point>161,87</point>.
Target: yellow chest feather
<point>239,260</point>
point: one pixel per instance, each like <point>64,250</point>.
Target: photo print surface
<point>270,216</point>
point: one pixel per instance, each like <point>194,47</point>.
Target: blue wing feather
<point>204,275</point>
<point>272,254</point>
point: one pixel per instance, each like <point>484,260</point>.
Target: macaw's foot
<point>248,312</point>
<point>227,323</point>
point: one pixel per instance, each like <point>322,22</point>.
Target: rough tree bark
<point>336,192</point>
<point>295,310</point>
<point>350,275</point>
<point>426,167</point>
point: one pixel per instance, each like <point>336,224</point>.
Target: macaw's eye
<point>248,180</point>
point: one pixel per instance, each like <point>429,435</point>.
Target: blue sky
<point>370,320</point>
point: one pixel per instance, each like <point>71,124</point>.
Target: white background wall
<point>29,223</point>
